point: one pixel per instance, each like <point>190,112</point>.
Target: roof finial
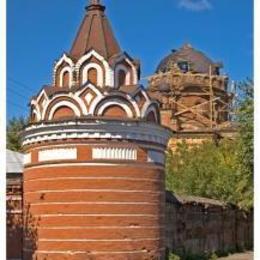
<point>94,2</point>
<point>95,5</point>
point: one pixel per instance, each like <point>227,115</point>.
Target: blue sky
<point>38,32</point>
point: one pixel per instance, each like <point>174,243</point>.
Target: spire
<point>94,2</point>
<point>95,33</point>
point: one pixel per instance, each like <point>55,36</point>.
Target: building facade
<point>94,156</point>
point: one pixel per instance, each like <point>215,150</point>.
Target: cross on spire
<point>94,2</point>
<point>95,5</point>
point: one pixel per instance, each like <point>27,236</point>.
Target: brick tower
<point>94,163</point>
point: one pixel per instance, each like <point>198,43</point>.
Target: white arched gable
<point>108,71</point>
<point>146,108</point>
<point>151,108</point>
<point>100,76</point>
<point>62,104</point>
<point>118,68</point>
<point>37,113</point>
<point>64,70</point>
<point>134,70</point>
<point>64,59</point>
<point>115,103</point>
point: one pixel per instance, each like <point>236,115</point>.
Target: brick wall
<point>199,226</point>
<point>14,228</point>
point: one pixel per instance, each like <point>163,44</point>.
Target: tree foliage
<point>223,171</point>
<point>204,170</point>
<point>245,151</point>
<point>13,133</point>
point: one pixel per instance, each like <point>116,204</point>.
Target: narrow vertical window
<point>121,78</point>
<point>66,79</point>
<point>92,76</point>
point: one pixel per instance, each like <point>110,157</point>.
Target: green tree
<point>13,133</point>
<point>204,170</point>
<point>245,152</point>
<point>223,171</point>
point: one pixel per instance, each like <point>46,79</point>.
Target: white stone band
<point>27,158</point>
<point>97,129</point>
<point>114,153</point>
<point>58,154</point>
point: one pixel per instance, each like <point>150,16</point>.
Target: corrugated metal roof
<point>185,199</point>
<point>14,162</point>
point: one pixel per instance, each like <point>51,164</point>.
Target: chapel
<point>93,180</point>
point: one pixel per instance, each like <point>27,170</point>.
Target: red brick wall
<point>14,228</point>
<point>104,210</point>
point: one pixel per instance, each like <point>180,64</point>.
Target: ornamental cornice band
<point>110,153</point>
<point>97,129</point>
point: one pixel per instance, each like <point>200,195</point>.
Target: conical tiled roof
<point>95,33</point>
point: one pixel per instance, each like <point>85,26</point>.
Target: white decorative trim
<point>97,164</point>
<point>155,157</point>
<point>89,98</point>
<point>100,74</point>
<point>61,104</point>
<point>66,59</point>
<point>98,129</point>
<point>94,102</point>
<point>118,68</point>
<point>146,107</point>
<point>109,79</point>
<point>146,146</point>
<point>27,158</point>
<point>43,93</point>
<point>115,103</point>
<point>58,154</point>
<point>152,108</point>
<point>37,113</point>
<point>134,70</point>
<point>69,70</point>
<point>124,96</point>
<point>114,153</point>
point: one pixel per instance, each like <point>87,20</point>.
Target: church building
<point>94,156</point>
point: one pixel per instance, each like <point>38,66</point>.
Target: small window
<point>121,78</point>
<point>184,66</point>
<point>66,79</point>
<point>92,76</point>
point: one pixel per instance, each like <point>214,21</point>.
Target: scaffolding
<point>213,113</point>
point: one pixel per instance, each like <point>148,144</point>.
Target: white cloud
<point>195,5</point>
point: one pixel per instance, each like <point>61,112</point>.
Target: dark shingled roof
<point>200,63</point>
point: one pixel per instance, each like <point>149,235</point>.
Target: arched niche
<point>114,111</point>
<point>93,76</point>
<point>63,112</point>
<point>122,76</point>
<point>151,117</point>
<point>62,109</point>
<point>93,73</point>
<point>65,77</point>
<point>114,107</point>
